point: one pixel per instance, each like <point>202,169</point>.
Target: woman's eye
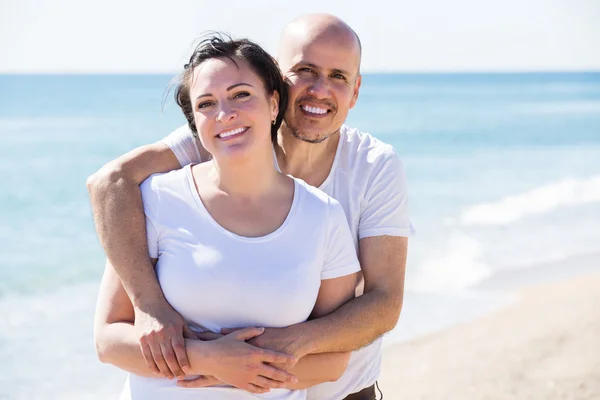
<point>241,94</point>
<point>204,105</point>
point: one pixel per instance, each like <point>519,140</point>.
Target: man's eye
<point>339,76</point>
<point>305,69</point>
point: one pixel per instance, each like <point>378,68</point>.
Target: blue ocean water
<point>503,171</point>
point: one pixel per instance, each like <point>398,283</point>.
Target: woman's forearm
<point>118,344</point>
<point>314,369</point>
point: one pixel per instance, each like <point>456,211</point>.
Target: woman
<point>235,243</point>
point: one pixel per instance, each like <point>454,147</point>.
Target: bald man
<point>320,57</point>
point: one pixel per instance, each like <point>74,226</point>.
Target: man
<point>320,58</point>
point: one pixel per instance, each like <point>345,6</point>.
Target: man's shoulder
<point>315,196</point>
<point>365,149</point>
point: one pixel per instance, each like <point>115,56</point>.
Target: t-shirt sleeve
<point>340,256</point>
<point>385,208</point>
<point>183,143</point>
<point>150,201</point>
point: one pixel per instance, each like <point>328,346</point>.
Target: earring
<point>273,122</point>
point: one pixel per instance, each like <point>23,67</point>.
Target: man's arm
<point>119,218</point>
<point>359,321</point>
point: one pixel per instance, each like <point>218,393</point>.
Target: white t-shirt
<point>216,279</point>
<point>368,179</point>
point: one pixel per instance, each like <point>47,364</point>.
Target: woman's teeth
<point>231,133</point>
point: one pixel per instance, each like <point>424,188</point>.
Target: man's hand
<point>233,361</point>
<point>161,331</point>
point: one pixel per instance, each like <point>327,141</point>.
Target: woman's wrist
<point>200,354</point>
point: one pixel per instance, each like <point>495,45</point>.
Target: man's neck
<point>310,162</point>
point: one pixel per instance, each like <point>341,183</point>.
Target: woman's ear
<point>274,105</point>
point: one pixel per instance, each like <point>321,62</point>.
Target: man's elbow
<point>393,315</point>
<point>110,178</point>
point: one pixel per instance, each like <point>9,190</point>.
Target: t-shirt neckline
<point>200,205</point>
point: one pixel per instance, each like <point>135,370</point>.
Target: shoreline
<point>545,345</point>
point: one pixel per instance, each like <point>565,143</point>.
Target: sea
<point>503,176</point>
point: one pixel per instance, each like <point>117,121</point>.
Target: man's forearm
<point>352,326</point>
<point>120,224</point>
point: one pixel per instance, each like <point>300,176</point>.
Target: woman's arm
<point>230,359</point>
<point>313,369</point>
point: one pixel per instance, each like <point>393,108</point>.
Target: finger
<point>188,333</point>
<point>256,389</point>
<point>247,333</point>
<point>160,361</point>
<point>263,382</point>
<point>180,353</point>
<point>147,353</point>
<point>277,358</point>
<point>170,359</point>
<point>227,331</point>
<point>276,374</point>
<point>202,381</point>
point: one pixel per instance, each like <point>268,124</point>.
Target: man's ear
<point>356,89</point>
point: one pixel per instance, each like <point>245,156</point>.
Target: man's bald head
<point>319,56</point>
<point>318,28</point>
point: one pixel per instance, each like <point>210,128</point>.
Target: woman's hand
<point>231,360</point>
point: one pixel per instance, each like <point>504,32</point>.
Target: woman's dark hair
<point>219,45</point>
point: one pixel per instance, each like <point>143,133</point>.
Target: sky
<point>121,36</point>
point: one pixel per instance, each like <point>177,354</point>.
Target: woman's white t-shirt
<point>368,179</point>
<point>217,279</point>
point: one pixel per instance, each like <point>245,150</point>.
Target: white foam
<point>451,266</point>
<point>541,200</point>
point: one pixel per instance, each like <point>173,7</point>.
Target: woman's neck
<point>248,178</point>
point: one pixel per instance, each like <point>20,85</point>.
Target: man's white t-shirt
<point>368,179</point>
<point>216,279</point>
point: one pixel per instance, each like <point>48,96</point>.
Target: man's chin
<point>309,137</point>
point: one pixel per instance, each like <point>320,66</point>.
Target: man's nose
<point>319,89</point>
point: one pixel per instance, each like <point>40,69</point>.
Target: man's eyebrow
<point>228,89</point>
<point>313,66</point>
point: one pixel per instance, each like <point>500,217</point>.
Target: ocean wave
<point>451,266</point>
<point>562,107</point>
<point>541,200</point>
<point>18,124</point>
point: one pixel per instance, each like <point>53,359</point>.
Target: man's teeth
<point>314,110</point>
<point>231,133</point>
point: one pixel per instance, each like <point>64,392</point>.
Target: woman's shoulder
<point>172,181</point>
<point>315,196</point>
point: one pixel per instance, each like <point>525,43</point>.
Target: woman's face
<point>232,112</point>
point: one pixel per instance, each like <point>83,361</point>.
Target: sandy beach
<point>544,346</point>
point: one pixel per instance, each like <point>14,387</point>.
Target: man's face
<point>324,81</point>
